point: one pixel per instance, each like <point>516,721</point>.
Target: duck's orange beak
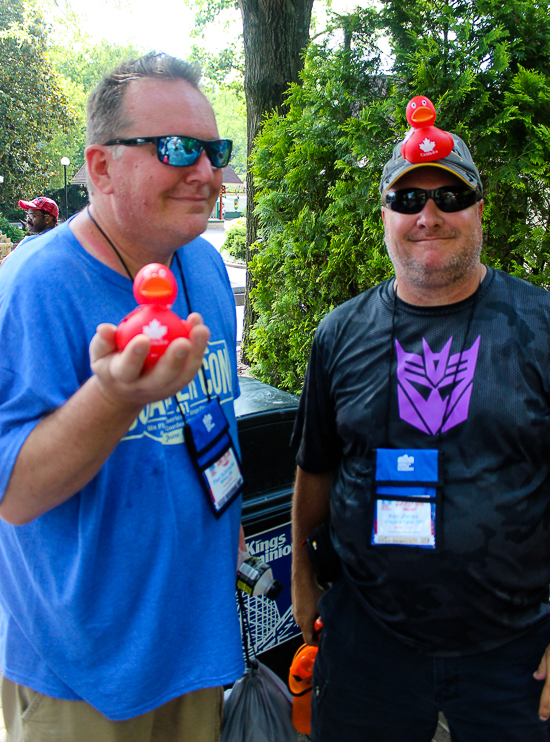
<point>155,287</point>
<point>422,115</point>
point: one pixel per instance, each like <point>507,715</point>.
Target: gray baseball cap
<point>459,162</point>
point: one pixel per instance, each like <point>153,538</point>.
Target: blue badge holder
<point>214,456</point>
<point>407,498</point>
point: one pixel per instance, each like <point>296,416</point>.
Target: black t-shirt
<point>383,374</point>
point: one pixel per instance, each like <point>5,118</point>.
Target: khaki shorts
<point>33,717</point>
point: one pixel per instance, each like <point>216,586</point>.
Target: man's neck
<point>100,246</point>
<point>440,296</point>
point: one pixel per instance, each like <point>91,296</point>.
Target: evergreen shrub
<point>484,64</point>
<point>14,233</point>
<point>235,240</point>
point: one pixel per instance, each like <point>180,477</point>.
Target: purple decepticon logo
<point>447,381</point>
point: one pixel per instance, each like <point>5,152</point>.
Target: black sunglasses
<point>447,198</point>
<point>183,151</point>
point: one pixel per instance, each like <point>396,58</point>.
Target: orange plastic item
<point>300,681</point>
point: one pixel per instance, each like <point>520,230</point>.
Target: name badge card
<point>224,479</point>
<point>404,523</point>
<point>405,497</point>
<point>213,453</point>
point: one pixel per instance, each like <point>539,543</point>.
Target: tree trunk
<point>276,33</point>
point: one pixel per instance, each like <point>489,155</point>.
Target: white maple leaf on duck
<point>155,330</point>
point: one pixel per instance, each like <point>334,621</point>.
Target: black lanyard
<point>206,434</point>
<point>392,345</point>
<point>183,283</point>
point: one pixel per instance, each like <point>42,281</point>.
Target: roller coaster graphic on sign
<point>271,621</point>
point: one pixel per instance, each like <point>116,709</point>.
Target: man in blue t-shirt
<point>118,550</point>
<point>424,437</point>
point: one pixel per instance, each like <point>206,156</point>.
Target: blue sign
<point>271,621</point>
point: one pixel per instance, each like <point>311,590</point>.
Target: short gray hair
<point>105,111</point>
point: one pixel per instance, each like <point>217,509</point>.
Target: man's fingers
<point>184,355</point>
<point>122,374</point>
<point>195,319</point>
<point>542,669</point>
<point>309,638</point>
<point>543,674</point>
<point>128,365</point>
<point>103,342</point>
<point>544,706</point>
<point>306,623</point>
<point>200,335</point>
<point>308,632</point>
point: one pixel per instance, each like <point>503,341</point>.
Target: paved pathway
<point>236,273</point>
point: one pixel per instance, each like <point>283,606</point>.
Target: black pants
<point>369,687</point>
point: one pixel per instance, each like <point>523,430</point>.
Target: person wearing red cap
<point>43,213</point>
<point>42,217</point>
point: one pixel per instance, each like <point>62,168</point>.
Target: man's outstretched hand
<point>119,374</point>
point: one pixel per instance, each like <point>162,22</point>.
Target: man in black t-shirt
<point>424,436</point>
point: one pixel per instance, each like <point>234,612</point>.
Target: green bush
<point>317,169</point>
<point>14,233</point>
<point>235,240</point>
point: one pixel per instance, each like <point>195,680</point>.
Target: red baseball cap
<point>43,203</point>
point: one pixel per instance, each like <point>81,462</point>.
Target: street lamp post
<point>65,161</point>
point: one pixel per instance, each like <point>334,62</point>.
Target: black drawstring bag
<point>259,706</point>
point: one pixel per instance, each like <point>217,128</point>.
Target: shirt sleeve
<point>38,335</point>
<point>315,432</point>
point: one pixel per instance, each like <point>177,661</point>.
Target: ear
<point>98,164</point>
<point>383,209</point>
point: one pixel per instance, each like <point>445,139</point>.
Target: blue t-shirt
<point>124,595</point>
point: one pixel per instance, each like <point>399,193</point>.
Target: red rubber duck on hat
<point>155,289</point>
<point>424,142</point>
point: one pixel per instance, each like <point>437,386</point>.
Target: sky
<point>163,25</point>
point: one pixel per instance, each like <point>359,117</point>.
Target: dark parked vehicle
<point>265,418</point>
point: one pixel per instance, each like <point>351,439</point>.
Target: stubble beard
<point>455,269</point>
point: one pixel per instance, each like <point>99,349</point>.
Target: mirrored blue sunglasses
<point>183,151</point>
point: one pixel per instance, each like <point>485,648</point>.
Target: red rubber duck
<point>155,289</point>
<point>424,142</point>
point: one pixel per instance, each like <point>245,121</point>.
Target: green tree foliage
<point>484,64</point>
<point>14,233</point>
<point>235,240</point>
<point>80,64</point>
<point>33,106</point>
<point>231,118</point>
<point>275,36</point>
